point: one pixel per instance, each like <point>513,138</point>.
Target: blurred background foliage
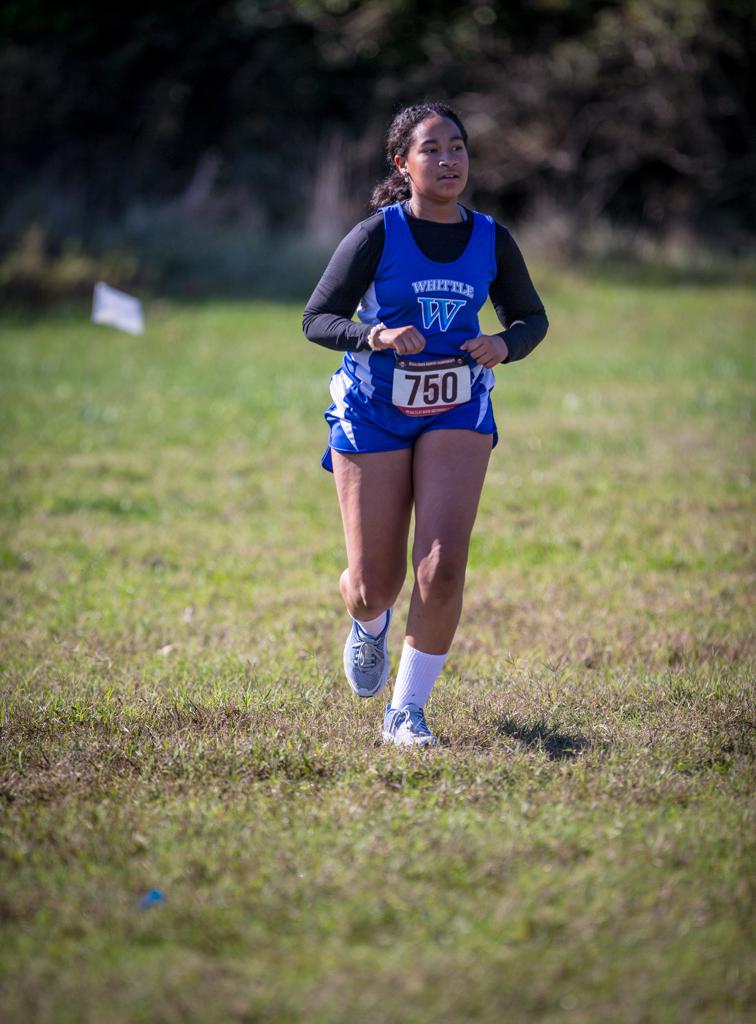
<point>223,145</point>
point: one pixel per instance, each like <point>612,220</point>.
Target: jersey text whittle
<point>442,285</point>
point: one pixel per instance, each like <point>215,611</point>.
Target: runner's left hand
<point>487,349</point>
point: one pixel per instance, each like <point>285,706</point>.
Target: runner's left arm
<point>517,304</point>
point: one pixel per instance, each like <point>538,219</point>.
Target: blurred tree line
<point>182,143</point>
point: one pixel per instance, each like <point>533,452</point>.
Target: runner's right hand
<point>405,341</point>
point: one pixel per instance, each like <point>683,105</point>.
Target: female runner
<point>411,421</point>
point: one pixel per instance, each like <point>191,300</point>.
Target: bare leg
<point>375,497</point>
<point>449,467</point>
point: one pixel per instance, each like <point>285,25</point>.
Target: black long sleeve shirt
<point>328,315</point>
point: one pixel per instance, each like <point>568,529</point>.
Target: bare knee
<point>369,593</point>
<point>440,571</point>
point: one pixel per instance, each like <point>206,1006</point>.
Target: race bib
<point>424,389</point>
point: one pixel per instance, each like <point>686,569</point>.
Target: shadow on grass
<point>558,746</point>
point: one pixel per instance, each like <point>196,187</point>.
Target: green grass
<point>172,712</point>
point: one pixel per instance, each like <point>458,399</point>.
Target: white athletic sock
<point>416,676</point>
<point>373,627</point>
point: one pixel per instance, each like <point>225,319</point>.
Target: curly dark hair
<point>395,186</point>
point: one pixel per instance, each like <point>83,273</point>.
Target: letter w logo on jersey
<point>441,310</point>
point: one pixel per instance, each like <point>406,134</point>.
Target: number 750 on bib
<point>424,389</point>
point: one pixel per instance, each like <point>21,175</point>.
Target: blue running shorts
<point>360,424</point>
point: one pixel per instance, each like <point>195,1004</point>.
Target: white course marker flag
<point>117,309</point>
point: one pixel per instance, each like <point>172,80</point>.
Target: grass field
<point>173,716</point>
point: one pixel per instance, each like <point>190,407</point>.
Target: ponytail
<point>393,189</point>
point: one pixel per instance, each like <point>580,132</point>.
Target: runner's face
<point>437,160</point>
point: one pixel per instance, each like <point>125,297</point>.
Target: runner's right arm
<point>327,318</point>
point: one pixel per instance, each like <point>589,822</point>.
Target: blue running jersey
<point>441,300</point>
